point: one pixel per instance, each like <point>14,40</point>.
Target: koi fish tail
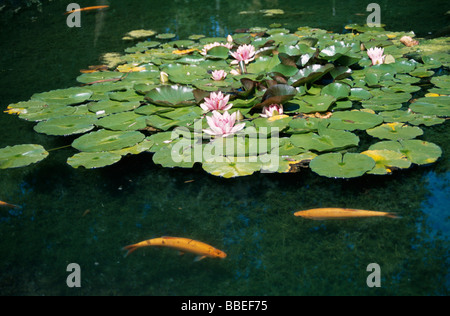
<point>392,215</point>
<point>130,249</point>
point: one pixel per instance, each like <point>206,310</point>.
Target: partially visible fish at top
<point>97,7</point>
<point>8,205</point>
<point>341,213</point>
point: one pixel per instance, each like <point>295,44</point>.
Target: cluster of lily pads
<point>311,94</point>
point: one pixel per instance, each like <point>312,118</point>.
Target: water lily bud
<point>163,77</point>
<point>239,116</point>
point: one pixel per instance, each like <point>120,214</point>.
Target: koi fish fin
<point>198,258</point>
<point>392,215</point>
<point>130,249</point>
<point>180,253</point>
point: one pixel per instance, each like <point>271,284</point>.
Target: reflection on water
<point>87,216</point>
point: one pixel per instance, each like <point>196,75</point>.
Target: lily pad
<point>439,106</point>
<point>91,160</point>
<point>353,120</point>
<point>336,165</point>
<point>337,90</point>
<point>62,97</point>
<point>106,107</point>
<point>229,167</point>
<point>126,121</point>
<point>417,151</point>
<point>395,131</point>
<point>172,96</point>
<point>66,125</point>
<point>387,160</point>
<point>325,140</point>
<point>309,74</point>
<point>314,103</point>
<point>21,155</point>
<point>104,140</point>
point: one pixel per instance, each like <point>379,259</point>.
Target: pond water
<point>86,216</point>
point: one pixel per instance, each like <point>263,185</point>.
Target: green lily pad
<point>126,121</point>
<point>104,140</point>
<point>91,160</point>
<point>309,74</point>
<point>182,153</point>
<point>62,97</point>
<point>145,145</point>
<point>165,36</point>
<point>358,94</point>
<point>230,167</point>
<point>106,107</point>
<point>171,96</point>
<point>395,131</point>
<point>314,103</point>
<point>386,161</point>
<point>46,113</point>
<point>417,151</point>
<point>100,75</point>
<point>386,101</point>
<point>21,155</point>
<point>337,90</point>
<point>66,125</point>
<point>439,106</point>
<point>353,120</point>
<point>185,74</point>
<point>325,140</point>
<point>336,165</point>
<point>304,125</point>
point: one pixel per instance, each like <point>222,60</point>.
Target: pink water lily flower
<point>207,47</point>
<point>222,124</point>
<point>376,55</point>
<point>216,102</point>
<point>272,110</point>
<point>218,75</point>
<point>245,53</point>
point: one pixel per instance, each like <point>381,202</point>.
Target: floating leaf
<point>126,121</point>
<point>91,160</point>
<point>229,167</point>
<point>352,120</point>
<point>395,131</point>
<point>439,106</point>
<point>104,140</point>
<point>62,97</point>
<point>172,96</point>
<point>386,161</point>
<point>66,125</point>
<point>337,90</point>
<point>314,103</point>
<point>21,155</point>
<point>417,151</point>
<point>309,74</point>
<point>105,107</point>
<point>325,140</point>
<point>336,165</point>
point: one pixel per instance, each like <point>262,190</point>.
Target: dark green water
<point>270,252</point>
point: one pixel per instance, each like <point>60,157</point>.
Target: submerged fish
<point>4,204</point>
<point>340,213</point>
<point>97,7</point>
<point>199,248</point>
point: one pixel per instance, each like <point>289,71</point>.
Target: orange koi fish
<point>97,7</point>
<point>199,248</point>
<point>4,204</point>
<point>340,213</point>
